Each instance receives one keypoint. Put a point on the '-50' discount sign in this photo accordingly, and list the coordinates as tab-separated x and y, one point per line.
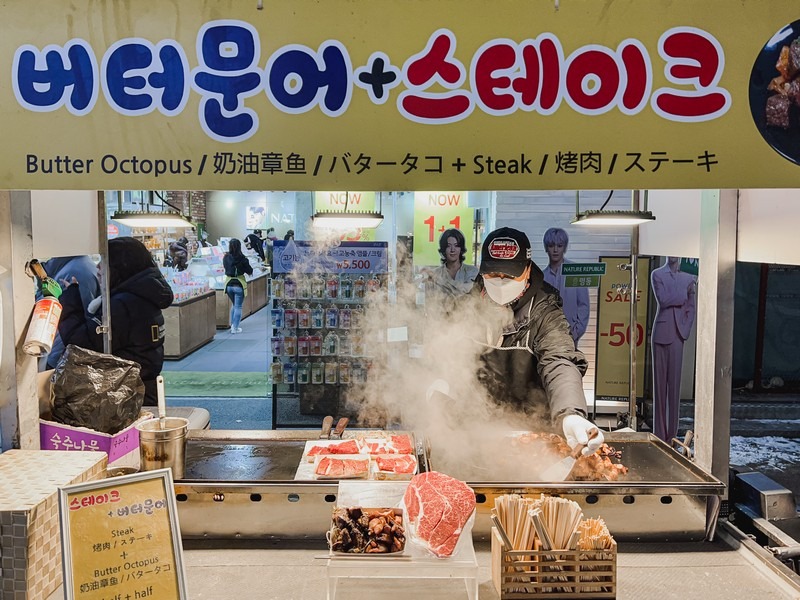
434	213
614	335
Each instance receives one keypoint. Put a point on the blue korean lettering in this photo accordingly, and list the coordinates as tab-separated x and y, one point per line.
228	52
299	78
139	77
45	80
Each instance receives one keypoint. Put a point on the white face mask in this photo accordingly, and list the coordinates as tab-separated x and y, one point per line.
503	291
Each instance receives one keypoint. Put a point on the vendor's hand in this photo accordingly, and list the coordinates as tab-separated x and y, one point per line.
65	284
578	430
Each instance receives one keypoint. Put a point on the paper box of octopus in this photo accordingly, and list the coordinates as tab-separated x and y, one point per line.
30	535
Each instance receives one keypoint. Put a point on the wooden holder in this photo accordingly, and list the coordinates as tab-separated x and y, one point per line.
524	574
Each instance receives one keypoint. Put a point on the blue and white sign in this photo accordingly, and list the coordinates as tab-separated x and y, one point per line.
346	257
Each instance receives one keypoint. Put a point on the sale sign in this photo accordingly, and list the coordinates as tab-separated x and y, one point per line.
614	335
434	213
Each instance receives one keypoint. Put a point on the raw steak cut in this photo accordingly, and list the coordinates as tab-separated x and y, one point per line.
331	467
346	447
397	444
404	463
438	506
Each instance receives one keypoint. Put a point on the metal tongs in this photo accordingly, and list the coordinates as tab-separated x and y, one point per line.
338	431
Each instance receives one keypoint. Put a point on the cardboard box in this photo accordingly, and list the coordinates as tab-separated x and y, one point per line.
30	535
58	436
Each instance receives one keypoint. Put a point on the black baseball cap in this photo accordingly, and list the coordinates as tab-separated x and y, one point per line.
506	251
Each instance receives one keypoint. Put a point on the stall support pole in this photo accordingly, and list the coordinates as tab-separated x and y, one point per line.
19	402
715	297
102	241
633	321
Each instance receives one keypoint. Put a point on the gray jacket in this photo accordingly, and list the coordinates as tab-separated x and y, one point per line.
533	362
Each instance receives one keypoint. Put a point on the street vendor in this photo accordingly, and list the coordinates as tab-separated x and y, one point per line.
532	362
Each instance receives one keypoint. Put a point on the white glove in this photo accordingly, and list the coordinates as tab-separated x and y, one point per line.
580	431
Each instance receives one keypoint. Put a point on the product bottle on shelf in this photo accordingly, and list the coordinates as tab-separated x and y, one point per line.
277	287
303	344
345	317
290	318
317	287
276	345
276	317
332	287
332	317
315	344
357	318
345	287
344	372
303	373
374	284
331	369
304	317
331	344
289	346
345	345
359	372
289	370
359	288
317	317
276	372
289	288
317	373
303	287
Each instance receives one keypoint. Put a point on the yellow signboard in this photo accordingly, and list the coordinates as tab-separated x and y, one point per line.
614	336
120	539
358	94
435	212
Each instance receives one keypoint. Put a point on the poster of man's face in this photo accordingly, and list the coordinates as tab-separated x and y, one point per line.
256	217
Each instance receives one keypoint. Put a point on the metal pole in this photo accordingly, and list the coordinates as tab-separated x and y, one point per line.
633	328
102	239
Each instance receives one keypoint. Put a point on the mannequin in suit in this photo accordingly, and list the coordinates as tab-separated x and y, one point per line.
675	293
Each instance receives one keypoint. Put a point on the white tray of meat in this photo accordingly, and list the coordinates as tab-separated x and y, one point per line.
392	444
393	466
316	448
341	467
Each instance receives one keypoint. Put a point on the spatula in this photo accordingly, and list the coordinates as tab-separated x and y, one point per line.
162	404
561	470
327	424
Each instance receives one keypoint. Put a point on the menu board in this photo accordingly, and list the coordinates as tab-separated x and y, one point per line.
120	539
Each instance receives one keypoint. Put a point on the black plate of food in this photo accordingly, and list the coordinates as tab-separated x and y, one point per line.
775	92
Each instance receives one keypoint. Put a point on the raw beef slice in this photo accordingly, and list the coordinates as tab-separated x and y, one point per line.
438	506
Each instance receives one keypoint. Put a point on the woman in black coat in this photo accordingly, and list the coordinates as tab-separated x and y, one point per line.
236	267
138	293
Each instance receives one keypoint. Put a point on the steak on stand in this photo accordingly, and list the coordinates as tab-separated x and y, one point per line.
438	507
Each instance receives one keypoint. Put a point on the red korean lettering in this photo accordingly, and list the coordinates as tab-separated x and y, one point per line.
552	56
694	58
638	76
493	64
592	80
435	65
527	83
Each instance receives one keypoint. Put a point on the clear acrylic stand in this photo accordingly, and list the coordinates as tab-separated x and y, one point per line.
415	562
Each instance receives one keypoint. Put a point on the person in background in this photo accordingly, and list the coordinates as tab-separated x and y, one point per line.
255	242
453	277
675	292
575	300
203	241
532	364
271	239
178	254
236	266
65	269
289	235
138	294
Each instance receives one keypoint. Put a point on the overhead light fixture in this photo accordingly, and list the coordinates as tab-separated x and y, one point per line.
609	218
354	219
140	218
144	218
613	217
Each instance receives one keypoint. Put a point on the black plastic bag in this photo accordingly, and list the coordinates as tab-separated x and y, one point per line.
95	390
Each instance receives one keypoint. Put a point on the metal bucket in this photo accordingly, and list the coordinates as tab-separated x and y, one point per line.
162	448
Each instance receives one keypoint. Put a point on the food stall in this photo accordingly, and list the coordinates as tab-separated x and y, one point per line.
643	85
